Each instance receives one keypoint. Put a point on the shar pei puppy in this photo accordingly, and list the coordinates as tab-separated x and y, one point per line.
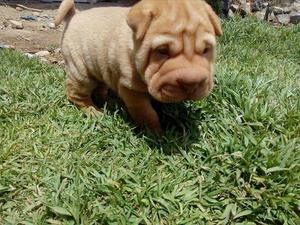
157	49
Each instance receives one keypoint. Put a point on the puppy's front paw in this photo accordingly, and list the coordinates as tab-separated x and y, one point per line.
91	111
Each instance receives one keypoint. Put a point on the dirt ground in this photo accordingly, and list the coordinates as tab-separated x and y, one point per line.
37	34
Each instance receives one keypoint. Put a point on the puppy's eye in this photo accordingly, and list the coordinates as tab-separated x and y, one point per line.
163	51
206	51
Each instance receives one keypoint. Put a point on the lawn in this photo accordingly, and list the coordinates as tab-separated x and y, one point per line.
233	158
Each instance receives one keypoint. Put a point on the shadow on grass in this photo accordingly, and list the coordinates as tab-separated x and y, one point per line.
179	121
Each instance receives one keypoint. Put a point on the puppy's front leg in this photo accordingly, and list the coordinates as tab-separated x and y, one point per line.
140	108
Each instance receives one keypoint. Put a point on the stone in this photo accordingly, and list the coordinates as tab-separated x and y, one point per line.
234	8
16	24
57	50
45	16
272	17
225	5
257	6
7	46
230	14
29	55
261	14
279	10
296	7
284	3
238	10
61	63
5	23
245	8
42	53
28	17
51	25
283	18
295	18
19	8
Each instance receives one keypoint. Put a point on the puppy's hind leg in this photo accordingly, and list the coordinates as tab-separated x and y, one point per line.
80	93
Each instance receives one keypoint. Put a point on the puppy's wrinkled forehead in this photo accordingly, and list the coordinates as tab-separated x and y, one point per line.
178	16
183	26
172	17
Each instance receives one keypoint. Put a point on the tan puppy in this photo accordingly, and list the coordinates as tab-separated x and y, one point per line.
161	49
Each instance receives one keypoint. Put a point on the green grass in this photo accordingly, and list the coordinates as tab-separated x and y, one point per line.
233	158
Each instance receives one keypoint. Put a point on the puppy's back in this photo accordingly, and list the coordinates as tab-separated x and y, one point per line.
96	21
93	39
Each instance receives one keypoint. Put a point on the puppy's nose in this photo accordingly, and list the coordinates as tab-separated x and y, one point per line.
191	82
190	88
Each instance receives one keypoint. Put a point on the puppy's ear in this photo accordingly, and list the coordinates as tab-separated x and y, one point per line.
214	19
139	19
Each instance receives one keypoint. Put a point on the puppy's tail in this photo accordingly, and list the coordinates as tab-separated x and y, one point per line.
66	11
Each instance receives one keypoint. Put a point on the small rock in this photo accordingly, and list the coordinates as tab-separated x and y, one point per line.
283	18
43	28
245	8
29	55
284	3
44	16
234	8
19	8
42	53
261	14
295	18
279	10
28	17
61	63
272	17
296	6
57	51
265	4
225	5
7	46
230	14
16	24
257	6
51	25
5	23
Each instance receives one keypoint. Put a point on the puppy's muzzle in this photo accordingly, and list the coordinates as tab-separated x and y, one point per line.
181	84
191	81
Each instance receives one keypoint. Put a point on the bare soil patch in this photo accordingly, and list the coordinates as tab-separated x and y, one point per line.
36	34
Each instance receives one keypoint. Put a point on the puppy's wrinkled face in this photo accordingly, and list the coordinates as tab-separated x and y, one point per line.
175	47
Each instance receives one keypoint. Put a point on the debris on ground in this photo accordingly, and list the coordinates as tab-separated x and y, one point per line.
28	17
31	28
6	46
295	18
19	6
42	53
16	24
277	12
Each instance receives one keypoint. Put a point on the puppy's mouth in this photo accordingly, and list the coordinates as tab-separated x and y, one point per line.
176	87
